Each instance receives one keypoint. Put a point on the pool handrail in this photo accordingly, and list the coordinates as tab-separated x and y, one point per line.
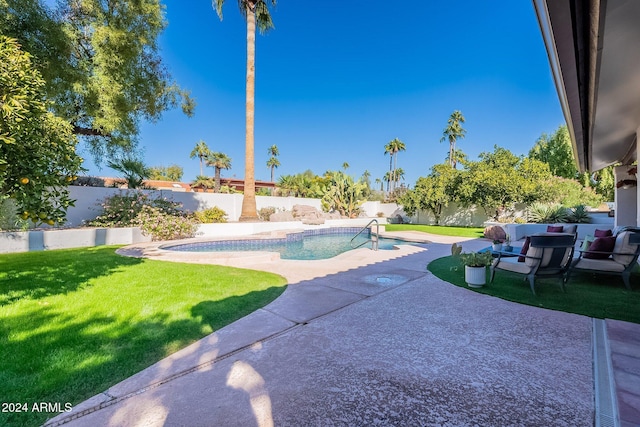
373	239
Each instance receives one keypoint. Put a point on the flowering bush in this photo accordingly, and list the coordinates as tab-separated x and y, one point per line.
160	225
214	214
121	210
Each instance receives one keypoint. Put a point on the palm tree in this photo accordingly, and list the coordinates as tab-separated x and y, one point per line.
219	161
134	171
398	174
345	166
273	162
452	132
201	151
388	177
255	12
393	147
379	181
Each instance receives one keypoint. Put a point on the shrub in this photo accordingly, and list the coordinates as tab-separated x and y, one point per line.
121	210
579	215
547	213
211	215
163	226
265	213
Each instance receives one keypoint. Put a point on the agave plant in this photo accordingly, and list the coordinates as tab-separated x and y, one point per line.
579	215
547	213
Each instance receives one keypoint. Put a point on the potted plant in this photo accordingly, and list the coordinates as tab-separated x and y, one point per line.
475	265
497	245
507	243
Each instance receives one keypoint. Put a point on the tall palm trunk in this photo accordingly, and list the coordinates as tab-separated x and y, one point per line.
249	212
217	179
390	171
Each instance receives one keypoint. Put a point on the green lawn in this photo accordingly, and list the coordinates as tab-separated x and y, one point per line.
438	229
74	322
599	296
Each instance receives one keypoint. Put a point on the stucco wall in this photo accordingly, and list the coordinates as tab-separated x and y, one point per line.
88	200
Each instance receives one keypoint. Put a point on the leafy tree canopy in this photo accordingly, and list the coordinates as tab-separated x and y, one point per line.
37	148
101	65
555	150
166	173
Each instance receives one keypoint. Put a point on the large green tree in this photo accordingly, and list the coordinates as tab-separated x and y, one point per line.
256	13
37	148
432	193
166	173
452	133
101	64
500	179
555	150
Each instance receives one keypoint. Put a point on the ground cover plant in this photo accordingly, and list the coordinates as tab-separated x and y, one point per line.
438	229
74	322
586	293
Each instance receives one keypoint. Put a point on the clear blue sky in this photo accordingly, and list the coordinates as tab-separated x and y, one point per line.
336	80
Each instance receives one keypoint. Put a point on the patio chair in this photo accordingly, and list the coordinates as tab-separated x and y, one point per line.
620	261
549	255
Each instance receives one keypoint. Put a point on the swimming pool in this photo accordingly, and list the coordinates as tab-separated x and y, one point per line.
308	245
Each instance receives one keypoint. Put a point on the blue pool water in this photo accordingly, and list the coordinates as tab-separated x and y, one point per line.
310	245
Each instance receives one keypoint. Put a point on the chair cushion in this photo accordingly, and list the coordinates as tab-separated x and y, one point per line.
525	248
570	229
602	233
599	265
601	244
511	264
554	229
622	246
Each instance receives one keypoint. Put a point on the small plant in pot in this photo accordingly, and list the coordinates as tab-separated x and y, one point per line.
496	245
475	266
506	246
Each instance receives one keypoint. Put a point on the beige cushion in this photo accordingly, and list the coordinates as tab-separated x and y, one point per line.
512	264
599	265
622	246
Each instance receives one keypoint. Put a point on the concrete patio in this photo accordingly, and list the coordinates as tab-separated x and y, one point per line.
373	338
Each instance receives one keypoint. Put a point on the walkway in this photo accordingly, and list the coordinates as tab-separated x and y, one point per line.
386	343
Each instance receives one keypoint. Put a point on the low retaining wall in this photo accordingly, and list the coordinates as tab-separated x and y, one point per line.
39	240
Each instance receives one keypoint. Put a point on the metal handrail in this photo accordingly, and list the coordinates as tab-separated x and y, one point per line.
373	239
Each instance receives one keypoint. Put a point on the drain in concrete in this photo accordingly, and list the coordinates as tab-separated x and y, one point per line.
385	279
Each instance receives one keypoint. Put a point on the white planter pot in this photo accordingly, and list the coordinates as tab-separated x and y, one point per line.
475	276
496	246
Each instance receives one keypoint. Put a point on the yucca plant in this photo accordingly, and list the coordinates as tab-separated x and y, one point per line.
542	213
579	215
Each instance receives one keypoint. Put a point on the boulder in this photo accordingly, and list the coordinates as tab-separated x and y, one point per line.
281	217
495	232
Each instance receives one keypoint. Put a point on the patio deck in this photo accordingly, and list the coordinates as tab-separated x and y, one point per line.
364	340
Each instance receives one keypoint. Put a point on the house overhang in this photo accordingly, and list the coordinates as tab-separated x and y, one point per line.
594	53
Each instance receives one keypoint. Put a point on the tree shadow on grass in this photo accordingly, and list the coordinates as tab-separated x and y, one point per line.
81	358
36	275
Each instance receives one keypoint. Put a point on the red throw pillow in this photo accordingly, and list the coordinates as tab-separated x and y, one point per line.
602	233
601	244
524	250
554	229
